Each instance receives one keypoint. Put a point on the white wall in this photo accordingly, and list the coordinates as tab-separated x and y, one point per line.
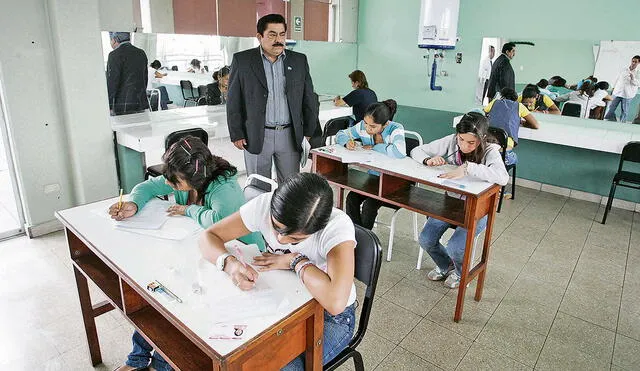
116	15
57	117
161	16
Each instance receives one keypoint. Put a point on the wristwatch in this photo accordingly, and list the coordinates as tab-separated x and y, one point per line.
221	260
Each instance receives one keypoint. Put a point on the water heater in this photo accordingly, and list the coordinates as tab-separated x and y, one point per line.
438	24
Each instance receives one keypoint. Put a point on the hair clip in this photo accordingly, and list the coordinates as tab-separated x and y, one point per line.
184	149
205	171
187	143
194	173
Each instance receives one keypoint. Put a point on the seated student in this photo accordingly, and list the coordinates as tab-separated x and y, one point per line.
360	98
542	86
467	149
194	67
154	75
534	101
558	85
217	91
378	133
577	85
205	188
581	96
306	234
598	101
507	114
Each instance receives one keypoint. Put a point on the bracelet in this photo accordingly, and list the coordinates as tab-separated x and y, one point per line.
296	260
220	261
302	268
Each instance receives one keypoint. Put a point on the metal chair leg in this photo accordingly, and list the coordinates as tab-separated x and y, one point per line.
415	227
419	263
392	232
612	192
357	360
513	183
500	200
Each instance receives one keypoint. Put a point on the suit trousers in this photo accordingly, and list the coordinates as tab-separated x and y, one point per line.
279	148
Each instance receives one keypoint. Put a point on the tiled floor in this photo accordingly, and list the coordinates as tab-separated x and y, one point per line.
562	293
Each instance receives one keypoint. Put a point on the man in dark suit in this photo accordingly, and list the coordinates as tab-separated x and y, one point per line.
502	75
271	107
126	76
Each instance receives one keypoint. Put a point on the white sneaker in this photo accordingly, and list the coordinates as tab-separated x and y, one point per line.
436	274
453	281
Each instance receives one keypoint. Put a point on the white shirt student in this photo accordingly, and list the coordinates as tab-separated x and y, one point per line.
303	233
624	90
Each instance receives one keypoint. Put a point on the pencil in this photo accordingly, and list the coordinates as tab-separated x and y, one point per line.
444	158
120	200
351	135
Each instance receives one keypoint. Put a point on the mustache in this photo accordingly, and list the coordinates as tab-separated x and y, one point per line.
278	44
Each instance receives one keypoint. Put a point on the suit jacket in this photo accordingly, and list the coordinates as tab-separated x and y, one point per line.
502	76
127	79
247	98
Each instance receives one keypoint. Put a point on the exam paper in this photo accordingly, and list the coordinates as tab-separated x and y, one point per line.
152	216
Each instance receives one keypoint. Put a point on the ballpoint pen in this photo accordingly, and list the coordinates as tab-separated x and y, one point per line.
120	200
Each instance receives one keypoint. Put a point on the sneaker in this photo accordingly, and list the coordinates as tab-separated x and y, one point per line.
437	274
453	281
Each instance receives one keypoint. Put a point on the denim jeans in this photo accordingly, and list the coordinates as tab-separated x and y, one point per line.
338	331
624	106
141	355
454	252
510	157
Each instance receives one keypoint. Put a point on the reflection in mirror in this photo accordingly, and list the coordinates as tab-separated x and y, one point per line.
318	20
581	78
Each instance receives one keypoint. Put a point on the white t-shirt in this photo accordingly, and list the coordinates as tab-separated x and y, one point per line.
597	99
256	216
151	77
627	84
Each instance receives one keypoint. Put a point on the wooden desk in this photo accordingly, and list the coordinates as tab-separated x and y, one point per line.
122	263
398	185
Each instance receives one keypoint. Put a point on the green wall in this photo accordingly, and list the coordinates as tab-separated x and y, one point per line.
395	67
329	63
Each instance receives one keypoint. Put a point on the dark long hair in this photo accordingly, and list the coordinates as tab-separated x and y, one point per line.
191	160
303	203
381	112
477	124
359	77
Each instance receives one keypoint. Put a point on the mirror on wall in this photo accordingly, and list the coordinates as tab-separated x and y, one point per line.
581	72
317	20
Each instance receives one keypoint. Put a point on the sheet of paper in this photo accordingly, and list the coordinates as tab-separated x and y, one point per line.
176	228
152	216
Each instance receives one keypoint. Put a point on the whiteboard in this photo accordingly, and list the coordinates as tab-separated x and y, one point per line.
613	56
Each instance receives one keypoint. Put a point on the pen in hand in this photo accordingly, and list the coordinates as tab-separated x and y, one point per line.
240	257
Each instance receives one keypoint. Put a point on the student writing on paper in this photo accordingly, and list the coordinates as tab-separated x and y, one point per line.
304	234
467	149
205	189
378	133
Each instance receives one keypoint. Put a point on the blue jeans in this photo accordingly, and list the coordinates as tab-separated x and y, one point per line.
338	331
624	106
141	355
454	252
510	157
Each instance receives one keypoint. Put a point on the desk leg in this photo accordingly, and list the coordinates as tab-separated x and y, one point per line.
87	317
485	246
340	198
466	263
315	332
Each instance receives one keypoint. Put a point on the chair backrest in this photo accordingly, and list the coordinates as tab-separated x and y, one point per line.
333	126
178	135
202	101
206	68
202	90
251	189
572	109
154	99
413	141
630	152
501	138
187	89
368	258
174	68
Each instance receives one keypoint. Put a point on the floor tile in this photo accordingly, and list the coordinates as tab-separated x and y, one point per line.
473	320
626	353
391	321
587	337
527	288
527	315
515	342
413	296
436	344
483	358
402	360
374	349
593	301
557	355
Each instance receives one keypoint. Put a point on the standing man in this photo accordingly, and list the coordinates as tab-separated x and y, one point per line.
271	106
624	90
484	73
126	76
502	75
